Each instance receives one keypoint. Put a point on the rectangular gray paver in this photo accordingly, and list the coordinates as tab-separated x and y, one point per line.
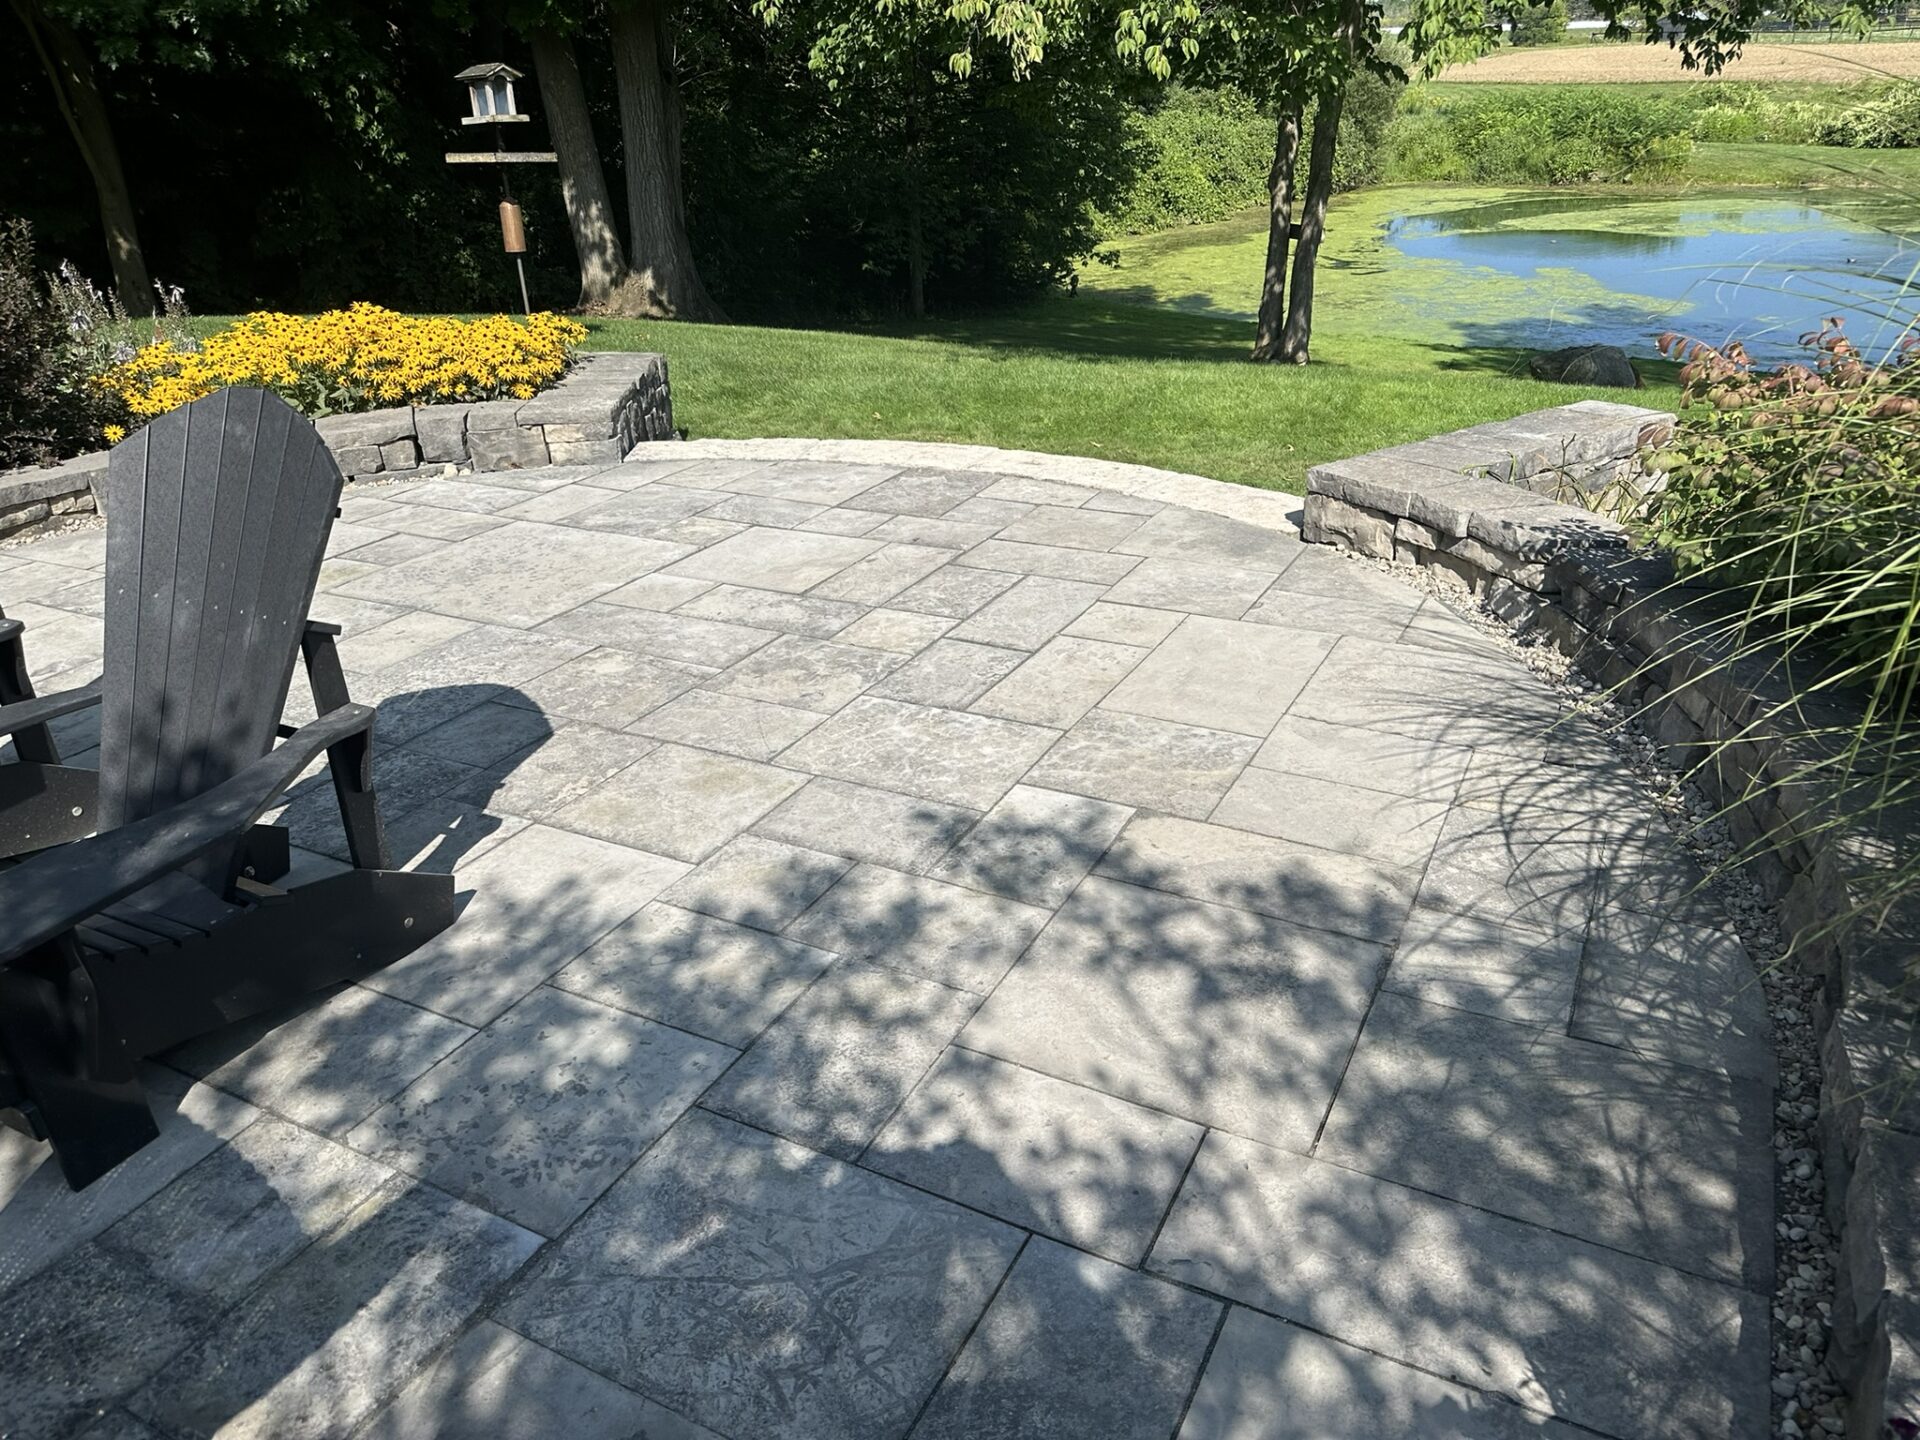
955	592
680	802
482	736
1034	491
831	1070
544	1109
496	1385
1074	1348
698	972
45	1220
812	481
1222	674
1289	881
1213	540
1056	562
1552	1321
375	647
326	1064
1223	591
713	643
1029	613
1451	700
904	632
790	560
1676	992
519	574
609	687
864	823
1474	964
539	781
756	881
1537	876
766	510
247	1208
1366	619
1035	845
751	729
539	899
1224	1017
954	535
701	1278
1377	759
922	492
773	610
647	511
942	932
1372	823
1266	1380
1126	624
1060	682
818	675
949	672
1072	527
337	1331
1038	1152
657	592
942	755
1136	760
884	574
1660	1161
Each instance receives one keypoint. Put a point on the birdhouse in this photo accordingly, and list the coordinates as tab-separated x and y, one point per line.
490	92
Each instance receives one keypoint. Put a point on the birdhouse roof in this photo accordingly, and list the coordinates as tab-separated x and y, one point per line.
493	70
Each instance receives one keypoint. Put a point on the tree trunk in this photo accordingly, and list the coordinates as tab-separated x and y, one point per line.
1313	225
1273	284
662	279
69	70
583	180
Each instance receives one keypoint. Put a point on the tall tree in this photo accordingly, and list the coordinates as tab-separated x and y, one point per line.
68	65
1327	110
663	279
583	179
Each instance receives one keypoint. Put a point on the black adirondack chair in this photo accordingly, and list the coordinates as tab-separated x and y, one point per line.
160	922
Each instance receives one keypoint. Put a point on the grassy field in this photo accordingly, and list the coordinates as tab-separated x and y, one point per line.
1834	63
1088	375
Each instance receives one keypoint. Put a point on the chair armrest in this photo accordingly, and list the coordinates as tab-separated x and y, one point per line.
11	629
52	892
25	714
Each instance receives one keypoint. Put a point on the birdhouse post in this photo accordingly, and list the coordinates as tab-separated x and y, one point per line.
491	100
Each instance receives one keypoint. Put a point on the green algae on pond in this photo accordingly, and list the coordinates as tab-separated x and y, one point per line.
1506	269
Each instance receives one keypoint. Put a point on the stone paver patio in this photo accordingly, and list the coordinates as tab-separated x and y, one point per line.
948	953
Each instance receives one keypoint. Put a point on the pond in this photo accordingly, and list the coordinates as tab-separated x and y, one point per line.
1761	268
1484	270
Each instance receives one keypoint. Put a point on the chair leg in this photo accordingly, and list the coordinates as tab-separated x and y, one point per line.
74	1079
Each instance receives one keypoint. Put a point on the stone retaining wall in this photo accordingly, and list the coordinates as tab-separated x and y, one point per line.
610	402
1475	508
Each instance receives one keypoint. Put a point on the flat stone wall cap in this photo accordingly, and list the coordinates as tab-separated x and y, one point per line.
1542	532
51	482
367	427
1449	505
1377	483
1613	409
494	414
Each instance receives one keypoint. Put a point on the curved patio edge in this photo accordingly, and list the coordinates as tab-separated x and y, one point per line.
1483	510
1271	509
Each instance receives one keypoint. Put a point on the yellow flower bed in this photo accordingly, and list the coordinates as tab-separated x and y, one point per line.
360	358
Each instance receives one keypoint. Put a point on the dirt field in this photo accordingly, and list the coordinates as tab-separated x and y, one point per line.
1600	64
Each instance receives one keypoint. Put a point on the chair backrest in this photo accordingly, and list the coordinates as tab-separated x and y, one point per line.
217	517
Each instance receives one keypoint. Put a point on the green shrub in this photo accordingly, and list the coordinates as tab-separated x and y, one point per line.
1207	156
1540	24
48	407
1797	492
1888	121
1541	136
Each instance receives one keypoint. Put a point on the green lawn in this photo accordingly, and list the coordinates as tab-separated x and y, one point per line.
1151	370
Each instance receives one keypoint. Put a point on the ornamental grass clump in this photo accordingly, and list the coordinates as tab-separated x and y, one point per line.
1797	492
361	358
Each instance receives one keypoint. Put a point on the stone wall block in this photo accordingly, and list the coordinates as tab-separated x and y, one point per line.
514	448
1327	521
366	428
442	433
357	459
